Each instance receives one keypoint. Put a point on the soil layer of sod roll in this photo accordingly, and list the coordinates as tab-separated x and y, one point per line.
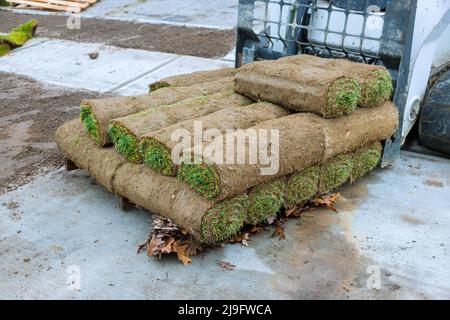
156	147
192	78
126	132
96	114
101	163
328	93
208	221
304	140
376	82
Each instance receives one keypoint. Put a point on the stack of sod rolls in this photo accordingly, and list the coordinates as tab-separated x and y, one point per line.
96	114
126	132
209	221
17	36
133	145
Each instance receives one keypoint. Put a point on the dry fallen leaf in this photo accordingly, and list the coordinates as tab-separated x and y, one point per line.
279	231
180	249
327	200
226	265
168	245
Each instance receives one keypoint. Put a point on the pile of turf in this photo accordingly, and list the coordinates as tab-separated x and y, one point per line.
304	140
329	93
208	221
97	113
126	132
17	36
192	78
376	82
157	147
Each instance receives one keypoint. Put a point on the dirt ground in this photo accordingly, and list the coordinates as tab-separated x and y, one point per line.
201	42
30	113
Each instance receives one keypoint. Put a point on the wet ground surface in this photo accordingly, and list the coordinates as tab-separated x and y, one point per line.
30	113
201	42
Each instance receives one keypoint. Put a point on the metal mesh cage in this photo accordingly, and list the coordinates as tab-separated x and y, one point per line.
349	29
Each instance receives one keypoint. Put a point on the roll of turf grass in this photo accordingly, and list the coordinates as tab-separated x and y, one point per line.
157	147
376	81
96	114
304	140
328	93
208	221
126	132
192	78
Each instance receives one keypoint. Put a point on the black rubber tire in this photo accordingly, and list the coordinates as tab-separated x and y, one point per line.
434	125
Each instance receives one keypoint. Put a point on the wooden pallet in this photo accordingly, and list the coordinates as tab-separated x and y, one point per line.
53	5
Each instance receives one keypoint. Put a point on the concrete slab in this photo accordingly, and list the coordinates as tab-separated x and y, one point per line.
391	233
67	63
180	65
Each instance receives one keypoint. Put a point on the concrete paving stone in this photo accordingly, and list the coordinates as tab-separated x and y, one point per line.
67	63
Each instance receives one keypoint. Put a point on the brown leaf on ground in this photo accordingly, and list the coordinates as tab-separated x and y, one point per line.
152	246
296	211
226	265
168	245
180	248
279	231
327	200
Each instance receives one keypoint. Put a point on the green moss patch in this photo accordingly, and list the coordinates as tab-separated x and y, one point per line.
302	186
157	156
376	89
4	49
89	122
224	220
124	142
335	173
365	160
342	97
201	177
266	201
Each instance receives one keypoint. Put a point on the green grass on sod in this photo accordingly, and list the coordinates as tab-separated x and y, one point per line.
376	89
224	220
342	97
89	122
157	156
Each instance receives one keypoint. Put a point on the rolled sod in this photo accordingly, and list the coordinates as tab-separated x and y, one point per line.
302	186
19	35
376	82
365	160
206	220
193	78
101	163
126	132
156	147
265	201
97	113
328	93
304	140
335	172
